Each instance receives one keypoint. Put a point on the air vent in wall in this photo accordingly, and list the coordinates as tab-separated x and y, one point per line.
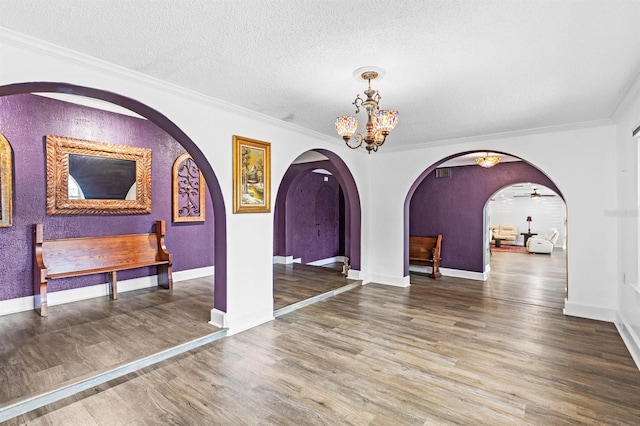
444	172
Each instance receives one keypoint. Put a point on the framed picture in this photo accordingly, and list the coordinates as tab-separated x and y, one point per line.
188	190
6	185
251	175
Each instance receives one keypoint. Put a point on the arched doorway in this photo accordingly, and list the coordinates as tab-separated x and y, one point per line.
324	160
164	123
452	202
316	223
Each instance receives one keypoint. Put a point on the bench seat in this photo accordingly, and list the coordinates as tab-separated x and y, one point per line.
425	251
72	257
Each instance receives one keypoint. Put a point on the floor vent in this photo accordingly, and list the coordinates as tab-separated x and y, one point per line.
443	172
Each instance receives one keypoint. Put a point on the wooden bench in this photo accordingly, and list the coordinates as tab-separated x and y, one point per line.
425	251
71	257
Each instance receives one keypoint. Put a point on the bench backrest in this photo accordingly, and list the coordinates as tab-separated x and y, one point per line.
422	247
66	255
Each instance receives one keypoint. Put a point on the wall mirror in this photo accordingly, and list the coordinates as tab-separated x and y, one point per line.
87	178
6	185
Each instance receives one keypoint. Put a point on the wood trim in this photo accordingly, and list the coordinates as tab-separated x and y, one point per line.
6	183
58	202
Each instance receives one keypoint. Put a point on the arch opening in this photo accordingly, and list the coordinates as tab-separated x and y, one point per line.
350	225
455	207
164	123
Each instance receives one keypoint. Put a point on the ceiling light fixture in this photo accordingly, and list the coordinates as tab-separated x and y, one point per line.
379	121
488	161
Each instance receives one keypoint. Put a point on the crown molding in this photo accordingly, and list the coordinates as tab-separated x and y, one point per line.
504	135
41	47
629	97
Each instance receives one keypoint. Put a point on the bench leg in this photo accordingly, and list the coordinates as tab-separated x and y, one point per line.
40	300
435	271
165	277
113	285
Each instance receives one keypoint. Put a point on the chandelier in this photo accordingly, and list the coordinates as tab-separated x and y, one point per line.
379	121
488	161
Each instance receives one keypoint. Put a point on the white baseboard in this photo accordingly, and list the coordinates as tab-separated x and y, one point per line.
469	275
589	312
283	260
447	272
61	297
239	324
190	274
629	337
13	306
354	274
328	260
388	280
219	318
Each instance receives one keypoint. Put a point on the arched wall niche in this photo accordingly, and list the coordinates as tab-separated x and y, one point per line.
163	122
337	167
544	179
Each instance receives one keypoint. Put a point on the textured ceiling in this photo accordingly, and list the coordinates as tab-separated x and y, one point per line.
453	68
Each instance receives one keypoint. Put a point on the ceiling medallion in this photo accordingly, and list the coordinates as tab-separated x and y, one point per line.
380	122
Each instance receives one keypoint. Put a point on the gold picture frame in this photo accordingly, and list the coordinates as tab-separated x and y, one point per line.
99	158
6	183
251	175
188	190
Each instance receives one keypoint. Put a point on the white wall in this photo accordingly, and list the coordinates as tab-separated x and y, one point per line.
625	217
570	158
579	161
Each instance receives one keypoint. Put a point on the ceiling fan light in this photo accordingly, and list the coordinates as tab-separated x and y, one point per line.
488	161
346	125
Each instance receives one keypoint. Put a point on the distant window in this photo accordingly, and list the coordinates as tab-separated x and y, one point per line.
75	192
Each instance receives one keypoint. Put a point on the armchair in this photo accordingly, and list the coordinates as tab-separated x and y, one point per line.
543	244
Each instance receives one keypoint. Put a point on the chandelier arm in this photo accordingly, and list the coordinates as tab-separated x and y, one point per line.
358	138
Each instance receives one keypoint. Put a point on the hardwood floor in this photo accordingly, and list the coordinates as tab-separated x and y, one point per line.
76	339
296	282
447	351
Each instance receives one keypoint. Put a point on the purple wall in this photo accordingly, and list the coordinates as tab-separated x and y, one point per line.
314	216
454	208
24	121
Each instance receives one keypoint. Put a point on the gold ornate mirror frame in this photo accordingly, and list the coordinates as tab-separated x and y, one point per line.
6	183
58	202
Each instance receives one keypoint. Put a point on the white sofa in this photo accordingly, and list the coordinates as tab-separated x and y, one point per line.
543	244
507	233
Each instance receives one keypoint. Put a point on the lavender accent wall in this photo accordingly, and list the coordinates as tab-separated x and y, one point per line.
25	120
314	217
454	207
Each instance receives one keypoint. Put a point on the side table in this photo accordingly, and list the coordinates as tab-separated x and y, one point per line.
527	235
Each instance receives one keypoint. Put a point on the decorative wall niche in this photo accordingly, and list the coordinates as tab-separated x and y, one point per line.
188	190
6	183
96	178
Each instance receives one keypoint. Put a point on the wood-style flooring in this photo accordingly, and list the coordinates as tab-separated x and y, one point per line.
296	282
447	351
77	339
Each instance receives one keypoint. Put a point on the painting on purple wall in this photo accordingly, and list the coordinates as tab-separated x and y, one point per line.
96	178
188	190
251	175
6	186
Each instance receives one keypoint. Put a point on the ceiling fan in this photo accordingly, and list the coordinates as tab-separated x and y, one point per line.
535	195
